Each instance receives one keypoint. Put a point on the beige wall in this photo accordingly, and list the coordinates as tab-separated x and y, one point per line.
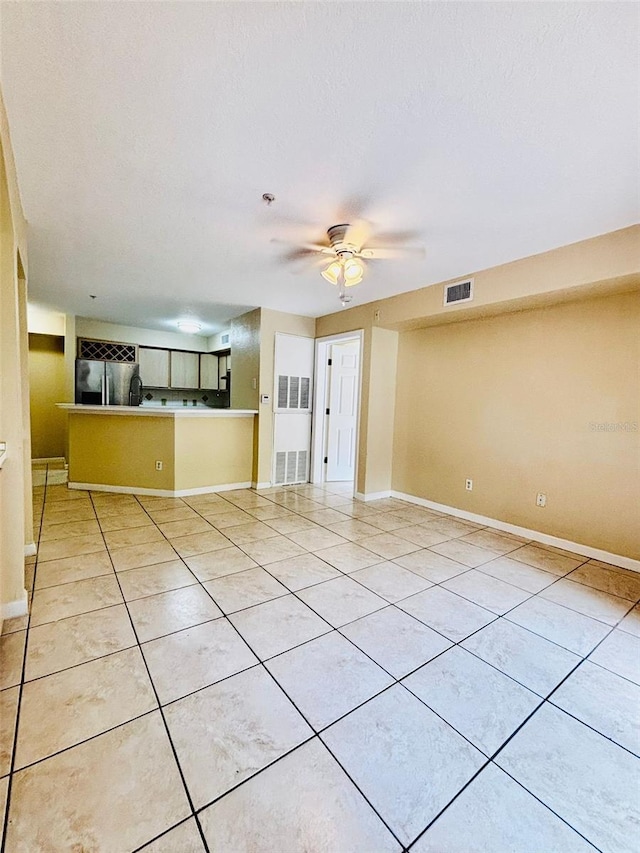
509	402
214	342
605	264
47	386
213	452
245	360
15	476
119	450
377	411
102	331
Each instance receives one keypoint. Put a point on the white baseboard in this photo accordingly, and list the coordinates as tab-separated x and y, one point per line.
49	460
260	485
372	496
160	493
18	607
30	550
534	535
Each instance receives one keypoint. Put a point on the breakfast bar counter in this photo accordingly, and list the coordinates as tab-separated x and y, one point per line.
159	450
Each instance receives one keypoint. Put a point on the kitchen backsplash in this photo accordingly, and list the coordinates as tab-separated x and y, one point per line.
176	397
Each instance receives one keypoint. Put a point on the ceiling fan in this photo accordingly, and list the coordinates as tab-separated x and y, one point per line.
346	254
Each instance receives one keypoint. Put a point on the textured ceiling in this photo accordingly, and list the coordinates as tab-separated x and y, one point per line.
146	133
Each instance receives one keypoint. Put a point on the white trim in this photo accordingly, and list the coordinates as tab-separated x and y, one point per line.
318	423
48	460
260	485
534	535
161	493
372	496
30	550
18	607
156	411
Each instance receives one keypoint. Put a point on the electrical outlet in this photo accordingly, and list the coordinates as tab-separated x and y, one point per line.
376	316
468	484
541	499
158	465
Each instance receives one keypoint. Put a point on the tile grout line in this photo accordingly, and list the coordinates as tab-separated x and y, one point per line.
288	591
316	732
544	701
279	686
160	707
30	594
346	574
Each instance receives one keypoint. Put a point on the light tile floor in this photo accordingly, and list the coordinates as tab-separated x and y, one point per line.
297	671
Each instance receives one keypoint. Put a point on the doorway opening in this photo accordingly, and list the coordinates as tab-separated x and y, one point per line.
336	411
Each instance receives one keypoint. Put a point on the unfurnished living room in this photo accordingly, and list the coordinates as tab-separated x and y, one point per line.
319	427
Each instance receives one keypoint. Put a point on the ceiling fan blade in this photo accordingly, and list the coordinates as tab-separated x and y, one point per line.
357	233
392	238
380	253
306	262
312	247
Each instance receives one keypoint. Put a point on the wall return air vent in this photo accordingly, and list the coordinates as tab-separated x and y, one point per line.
461	291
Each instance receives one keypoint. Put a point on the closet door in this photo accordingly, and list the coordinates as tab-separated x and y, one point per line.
292	405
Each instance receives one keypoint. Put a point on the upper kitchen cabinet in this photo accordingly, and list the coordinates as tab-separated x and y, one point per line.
185	369
224	364
154	367
209	371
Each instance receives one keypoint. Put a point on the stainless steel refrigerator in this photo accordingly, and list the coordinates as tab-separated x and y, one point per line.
107	383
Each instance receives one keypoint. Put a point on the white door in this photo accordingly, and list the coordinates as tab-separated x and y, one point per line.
343	411
292	406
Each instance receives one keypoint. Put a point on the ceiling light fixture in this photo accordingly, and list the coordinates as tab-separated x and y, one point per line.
332	272
344	272
353	272
189	327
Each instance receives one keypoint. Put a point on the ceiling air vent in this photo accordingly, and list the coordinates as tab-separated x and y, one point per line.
461	291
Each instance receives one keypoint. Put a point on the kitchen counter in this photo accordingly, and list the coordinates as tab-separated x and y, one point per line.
160	450
159	411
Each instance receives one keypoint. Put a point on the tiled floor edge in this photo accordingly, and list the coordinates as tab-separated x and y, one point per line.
534	535
160	493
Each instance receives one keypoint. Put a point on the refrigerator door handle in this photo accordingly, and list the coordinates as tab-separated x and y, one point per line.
102	388
108	393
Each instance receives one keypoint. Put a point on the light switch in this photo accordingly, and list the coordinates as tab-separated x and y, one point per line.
265	398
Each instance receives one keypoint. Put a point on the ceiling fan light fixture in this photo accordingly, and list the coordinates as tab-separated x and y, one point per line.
332	272
353	272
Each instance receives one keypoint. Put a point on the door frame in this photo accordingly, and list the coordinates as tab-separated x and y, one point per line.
319	419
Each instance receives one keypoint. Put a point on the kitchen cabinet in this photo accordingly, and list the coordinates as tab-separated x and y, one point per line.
224	364
185	369
154	367
208	371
